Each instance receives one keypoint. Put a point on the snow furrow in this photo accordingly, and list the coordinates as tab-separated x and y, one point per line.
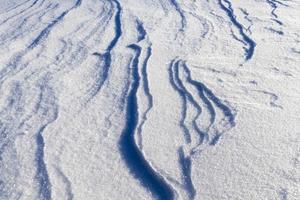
149	99
49	109
181	14
118	28
274	6
22	23
246	17
186	164
141	31
227	7
42	174
44	33
134	158
68	184
106	57
19	13
208	135
175	83
145	83
228	119
15	63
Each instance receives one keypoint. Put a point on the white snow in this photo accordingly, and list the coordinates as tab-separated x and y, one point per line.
160	99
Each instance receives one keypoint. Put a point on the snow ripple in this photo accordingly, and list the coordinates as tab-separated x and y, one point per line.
125	99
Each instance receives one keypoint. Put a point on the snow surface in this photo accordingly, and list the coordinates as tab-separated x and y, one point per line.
149	99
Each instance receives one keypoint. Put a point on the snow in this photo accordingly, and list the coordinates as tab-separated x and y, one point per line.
160	99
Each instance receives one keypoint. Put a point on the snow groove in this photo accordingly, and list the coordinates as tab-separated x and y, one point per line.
125	99
21	12
106	57
44	33
47	107
186	167
213	103
177	85
203	102
209	103
42	174
130	148
274	5
142	34
227	7
181	14
141	31
67	183
246	17
8	118
148	95
15	63
134	158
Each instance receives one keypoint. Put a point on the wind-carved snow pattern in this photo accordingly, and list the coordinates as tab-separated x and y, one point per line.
275	4
125	99
106	56
45	109
180	13
48	108
202	99
209	135
246	40
205	102
247	18
129	148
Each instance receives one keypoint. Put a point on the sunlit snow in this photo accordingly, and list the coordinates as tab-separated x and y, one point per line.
149	99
